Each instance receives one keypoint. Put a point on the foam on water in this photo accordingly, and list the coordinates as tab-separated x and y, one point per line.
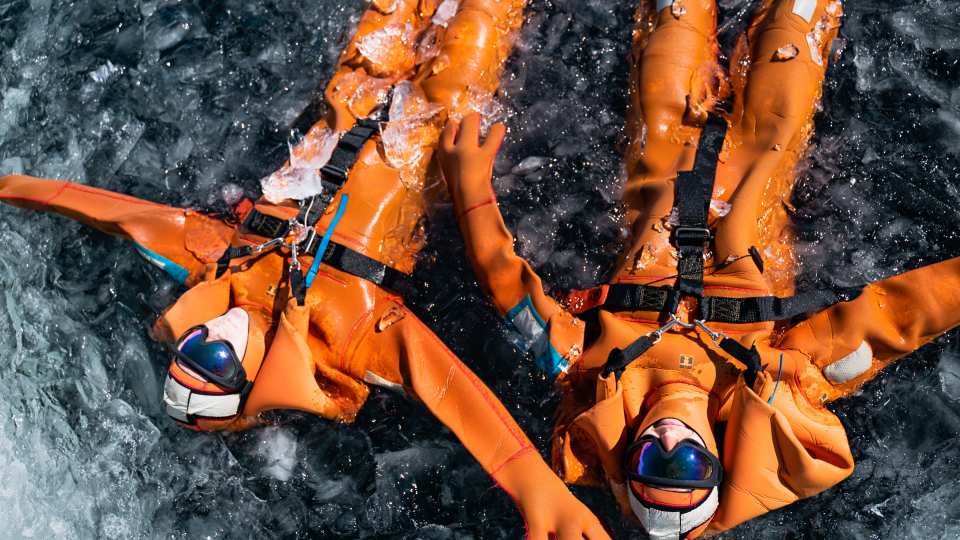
190	103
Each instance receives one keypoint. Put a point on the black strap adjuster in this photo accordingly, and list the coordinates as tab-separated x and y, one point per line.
691	236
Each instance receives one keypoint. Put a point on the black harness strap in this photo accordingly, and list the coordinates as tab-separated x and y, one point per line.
691	236
772	308
335	172
345	154
694	190
619	359
623	297
338	256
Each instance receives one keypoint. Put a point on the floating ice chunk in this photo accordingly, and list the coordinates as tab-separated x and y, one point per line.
14	100
719	207
386	6
949	375
478	100
677	9
104	72
12	165
279	447
787	52
231	193
363	93
300	178
528	165
388	48
414	124
445	11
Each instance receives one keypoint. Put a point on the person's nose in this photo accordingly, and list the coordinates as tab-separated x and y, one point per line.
669	439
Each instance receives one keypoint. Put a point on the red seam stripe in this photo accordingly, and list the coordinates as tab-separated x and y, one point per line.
477	384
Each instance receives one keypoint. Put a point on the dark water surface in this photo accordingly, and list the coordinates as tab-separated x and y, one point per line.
188	102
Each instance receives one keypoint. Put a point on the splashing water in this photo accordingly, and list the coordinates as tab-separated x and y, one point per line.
205	95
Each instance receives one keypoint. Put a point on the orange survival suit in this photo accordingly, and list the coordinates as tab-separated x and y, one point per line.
319	355
780	442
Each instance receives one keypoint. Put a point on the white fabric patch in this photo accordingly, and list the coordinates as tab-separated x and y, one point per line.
804	8
666	525
528	325
223	406
376	380
232	326
663	3
176	397
850	366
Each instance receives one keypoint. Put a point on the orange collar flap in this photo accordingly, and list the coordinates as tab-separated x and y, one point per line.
771	456
205	301
287	376
601	430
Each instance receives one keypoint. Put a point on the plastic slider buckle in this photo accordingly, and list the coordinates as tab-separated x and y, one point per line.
691	236
334	173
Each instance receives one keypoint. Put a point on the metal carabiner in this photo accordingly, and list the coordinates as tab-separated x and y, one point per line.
714	335
657	334
268	244
294	258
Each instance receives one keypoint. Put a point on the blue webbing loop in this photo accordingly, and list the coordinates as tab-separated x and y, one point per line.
325	241
777	385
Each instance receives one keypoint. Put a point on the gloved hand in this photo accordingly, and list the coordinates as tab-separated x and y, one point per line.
549	509
468	165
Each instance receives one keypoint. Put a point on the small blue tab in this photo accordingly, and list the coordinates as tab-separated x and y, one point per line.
172	269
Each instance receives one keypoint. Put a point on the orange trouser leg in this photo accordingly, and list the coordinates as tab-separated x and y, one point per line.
674	80
787	43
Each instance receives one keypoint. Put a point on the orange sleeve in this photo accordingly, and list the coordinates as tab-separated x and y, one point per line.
513	285
852	341
158	231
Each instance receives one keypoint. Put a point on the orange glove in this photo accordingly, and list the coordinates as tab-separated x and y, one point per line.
517	291
549	510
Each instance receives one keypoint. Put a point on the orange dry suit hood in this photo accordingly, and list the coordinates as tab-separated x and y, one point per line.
772	456
281	367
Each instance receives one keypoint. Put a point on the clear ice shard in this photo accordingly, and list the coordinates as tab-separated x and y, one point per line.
300	178
445	12
413	124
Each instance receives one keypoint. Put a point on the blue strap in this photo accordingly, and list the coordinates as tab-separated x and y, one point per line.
325	241
174	270
777	385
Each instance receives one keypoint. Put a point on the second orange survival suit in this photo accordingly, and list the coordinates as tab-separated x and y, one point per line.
780	442
318	353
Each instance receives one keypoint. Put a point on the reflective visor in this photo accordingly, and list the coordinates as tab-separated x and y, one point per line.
687	465
215	361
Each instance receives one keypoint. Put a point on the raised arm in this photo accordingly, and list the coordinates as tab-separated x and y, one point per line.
411	355
159	231
515	288
850	342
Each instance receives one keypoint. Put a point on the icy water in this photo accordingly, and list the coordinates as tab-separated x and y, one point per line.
191	102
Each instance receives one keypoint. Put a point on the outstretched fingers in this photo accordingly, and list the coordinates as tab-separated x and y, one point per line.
448	139
469	130
593	530
495	138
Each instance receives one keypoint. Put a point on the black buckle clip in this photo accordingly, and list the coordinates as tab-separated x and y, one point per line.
690	236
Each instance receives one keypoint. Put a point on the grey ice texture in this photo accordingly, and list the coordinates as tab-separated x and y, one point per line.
191	102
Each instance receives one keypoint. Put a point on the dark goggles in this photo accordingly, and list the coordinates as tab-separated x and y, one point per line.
216	361
687	465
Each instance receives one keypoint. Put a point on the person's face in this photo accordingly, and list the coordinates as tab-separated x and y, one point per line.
671	431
